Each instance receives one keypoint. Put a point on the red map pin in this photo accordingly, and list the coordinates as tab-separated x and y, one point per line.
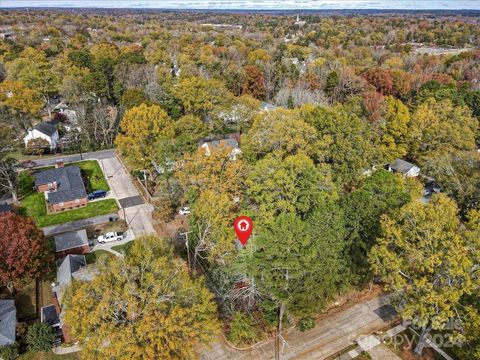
243	226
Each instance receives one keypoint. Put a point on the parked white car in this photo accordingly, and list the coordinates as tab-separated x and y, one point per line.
184	210
109	237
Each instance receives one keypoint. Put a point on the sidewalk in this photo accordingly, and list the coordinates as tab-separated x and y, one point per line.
331	335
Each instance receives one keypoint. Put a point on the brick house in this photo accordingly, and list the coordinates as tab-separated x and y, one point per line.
63	188
74	242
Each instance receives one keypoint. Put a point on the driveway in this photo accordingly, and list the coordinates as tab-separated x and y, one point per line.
332	334
138	214
78	225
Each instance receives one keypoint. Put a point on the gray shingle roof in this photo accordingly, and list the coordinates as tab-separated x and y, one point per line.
69	265
8	322
69	184
401	166
214	143
71	240
66	268
46	128
49	315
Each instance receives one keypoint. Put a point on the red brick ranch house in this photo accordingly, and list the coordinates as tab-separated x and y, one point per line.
63	188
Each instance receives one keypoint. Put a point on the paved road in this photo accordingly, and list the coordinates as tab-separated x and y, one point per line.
96	155
331	335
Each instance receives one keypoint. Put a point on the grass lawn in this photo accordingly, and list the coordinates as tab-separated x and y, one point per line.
94	256
123	249
93	174
32	204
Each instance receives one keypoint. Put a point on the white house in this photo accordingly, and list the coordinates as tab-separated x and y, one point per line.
405	168
45	131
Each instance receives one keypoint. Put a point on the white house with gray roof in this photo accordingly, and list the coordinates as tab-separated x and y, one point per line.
405	168
45	131
8	322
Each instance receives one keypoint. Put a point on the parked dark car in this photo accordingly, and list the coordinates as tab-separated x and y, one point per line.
28	164
97	194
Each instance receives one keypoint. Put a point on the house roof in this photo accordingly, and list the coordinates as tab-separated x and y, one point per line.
8	322
402	166
46	128
49	315
69	265
71	240
214	143
65	269
69	184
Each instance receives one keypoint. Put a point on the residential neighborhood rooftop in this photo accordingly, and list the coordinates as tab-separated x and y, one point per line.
8	322
46	128
71	240
401	166
69	184
69	265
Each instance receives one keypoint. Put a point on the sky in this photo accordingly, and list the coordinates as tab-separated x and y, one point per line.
252	4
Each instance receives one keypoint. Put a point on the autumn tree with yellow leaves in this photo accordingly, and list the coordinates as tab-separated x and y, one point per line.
143	306
141	128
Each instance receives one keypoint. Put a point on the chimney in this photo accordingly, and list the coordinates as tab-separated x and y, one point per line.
59	164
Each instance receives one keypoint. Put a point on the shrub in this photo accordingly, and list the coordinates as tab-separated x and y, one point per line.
306	324
40	337
9	352
243	329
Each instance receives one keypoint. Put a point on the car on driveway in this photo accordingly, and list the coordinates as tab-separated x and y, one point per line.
111	236
184	210
97	194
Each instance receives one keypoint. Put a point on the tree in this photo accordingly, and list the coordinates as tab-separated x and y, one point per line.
296	269
293	184
20	98
394	130
37	146
24	253
133	97
145	305
379	194
34	70
210	224
437	125
9	177
254	84
381	79
458	173
345	141
218	172
282	131
426	258
189	129
200	96
40	337
142	127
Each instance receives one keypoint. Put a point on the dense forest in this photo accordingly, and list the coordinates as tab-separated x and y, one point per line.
319	106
